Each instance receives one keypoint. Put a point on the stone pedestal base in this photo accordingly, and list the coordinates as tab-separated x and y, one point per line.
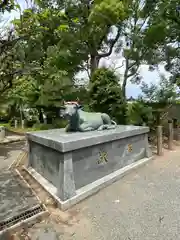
69	164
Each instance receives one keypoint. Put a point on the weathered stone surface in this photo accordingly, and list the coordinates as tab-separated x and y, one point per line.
93	163
62	141
70	161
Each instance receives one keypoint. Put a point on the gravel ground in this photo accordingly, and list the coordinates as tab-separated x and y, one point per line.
144	205
9	152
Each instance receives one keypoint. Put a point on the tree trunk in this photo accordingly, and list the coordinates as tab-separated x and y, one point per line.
94	63
21	114
124	89
125	79
124	99
41	120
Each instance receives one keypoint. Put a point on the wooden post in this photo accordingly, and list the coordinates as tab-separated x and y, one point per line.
159	141
170	135
15	123
175	123
22	124
175	130
2	133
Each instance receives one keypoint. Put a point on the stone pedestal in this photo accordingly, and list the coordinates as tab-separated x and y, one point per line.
72	166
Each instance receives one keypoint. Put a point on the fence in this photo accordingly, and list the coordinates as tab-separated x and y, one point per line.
172	132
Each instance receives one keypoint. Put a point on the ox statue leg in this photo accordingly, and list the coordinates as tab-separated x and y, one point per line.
108	123
85	127
67	128
102	127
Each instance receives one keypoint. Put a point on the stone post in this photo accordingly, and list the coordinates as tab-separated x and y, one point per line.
175	130
15	123
22	124
2	133
170	135
148	150
159	141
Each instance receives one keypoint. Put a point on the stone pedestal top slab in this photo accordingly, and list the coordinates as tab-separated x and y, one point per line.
62	141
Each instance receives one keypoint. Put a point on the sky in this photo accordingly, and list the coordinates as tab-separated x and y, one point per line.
132	89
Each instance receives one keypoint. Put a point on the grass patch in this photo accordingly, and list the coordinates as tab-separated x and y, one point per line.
19	129
35	127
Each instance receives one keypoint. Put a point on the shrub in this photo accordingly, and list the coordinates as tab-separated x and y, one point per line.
59	123
42	126
139	113
30	123
106	95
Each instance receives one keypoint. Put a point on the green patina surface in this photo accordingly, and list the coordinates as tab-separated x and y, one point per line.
82	121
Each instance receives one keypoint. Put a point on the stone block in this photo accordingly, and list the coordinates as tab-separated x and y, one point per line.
72	161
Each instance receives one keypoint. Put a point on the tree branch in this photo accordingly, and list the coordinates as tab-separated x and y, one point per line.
173	18
102	55
134	72
8	43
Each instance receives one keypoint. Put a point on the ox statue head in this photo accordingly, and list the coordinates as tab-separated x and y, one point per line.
69	109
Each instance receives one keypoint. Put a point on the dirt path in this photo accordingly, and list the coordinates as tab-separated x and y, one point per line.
144	205
8	153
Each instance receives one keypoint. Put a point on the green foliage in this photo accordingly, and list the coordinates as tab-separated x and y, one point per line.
139	113
7	5
59	123
58	39
164	34
42	126
107	12
105	94
164	92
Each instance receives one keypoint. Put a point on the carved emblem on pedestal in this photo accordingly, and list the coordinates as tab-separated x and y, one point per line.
103	157
129	147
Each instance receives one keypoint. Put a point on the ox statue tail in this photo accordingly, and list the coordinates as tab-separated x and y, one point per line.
113	123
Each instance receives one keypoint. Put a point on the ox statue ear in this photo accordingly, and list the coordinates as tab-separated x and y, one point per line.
79	106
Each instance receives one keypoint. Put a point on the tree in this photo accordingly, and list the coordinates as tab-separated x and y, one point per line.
164	27
134	43
61	43
7	5
43	56
10	53
105	94
88	26
125	33
164	92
